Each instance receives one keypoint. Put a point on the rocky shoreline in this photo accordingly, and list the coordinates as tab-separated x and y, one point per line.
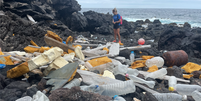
63	18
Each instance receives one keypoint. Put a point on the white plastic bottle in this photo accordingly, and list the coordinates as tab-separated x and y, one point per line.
131	71
150	84
74	82
196	95
172	82
159	73
158	61
118	98
169	97
185	89
132	57
118	88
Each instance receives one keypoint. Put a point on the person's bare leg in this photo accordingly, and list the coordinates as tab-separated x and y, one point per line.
115	35
118	33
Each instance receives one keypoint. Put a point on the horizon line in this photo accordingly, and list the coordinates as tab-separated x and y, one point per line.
151	8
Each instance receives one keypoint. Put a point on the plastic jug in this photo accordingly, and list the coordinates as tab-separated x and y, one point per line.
139	80
172	82
132	57
118	98
118	88
169	97
159	73
158	61
74	82
185	89
196	95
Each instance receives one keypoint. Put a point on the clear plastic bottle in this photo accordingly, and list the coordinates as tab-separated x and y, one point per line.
132	57
47	90
185	89
158	61
159	73
169	97
131	71
150	84
74	82
118	98
92	88
118	88
196	95
172	82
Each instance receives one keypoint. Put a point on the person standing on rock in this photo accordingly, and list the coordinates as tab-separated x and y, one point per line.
116	21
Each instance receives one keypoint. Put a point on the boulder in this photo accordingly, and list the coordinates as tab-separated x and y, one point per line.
147	21
187	25
156	21
175	71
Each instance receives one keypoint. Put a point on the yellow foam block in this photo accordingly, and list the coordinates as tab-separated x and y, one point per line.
5	60
138	64
99	61
69	40
54	36
106	50
153	68
29	49
108	74
42	49
187	76
71	51
73	75
33	43
18	70
146	57
121	44
190	67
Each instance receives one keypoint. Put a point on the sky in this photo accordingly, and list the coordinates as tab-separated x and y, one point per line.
189	4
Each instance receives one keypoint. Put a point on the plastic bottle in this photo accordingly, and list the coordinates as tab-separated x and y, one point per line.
169	97
132	57
26	98
159	73
150	84
158	61
118	98
92	88
118	88
47	90
196	95
74	82
131	71
172	82
185	89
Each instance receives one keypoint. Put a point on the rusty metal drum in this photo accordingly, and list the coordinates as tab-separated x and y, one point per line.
177	58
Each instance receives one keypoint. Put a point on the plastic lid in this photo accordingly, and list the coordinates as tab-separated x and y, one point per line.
184	97
115	96
171	88
132	52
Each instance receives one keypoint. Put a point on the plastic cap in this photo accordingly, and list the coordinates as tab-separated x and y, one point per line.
184	97
132	52
97	86
171	88
115	96
126	75
80	79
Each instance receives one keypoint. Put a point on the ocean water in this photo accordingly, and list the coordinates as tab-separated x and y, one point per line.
166	16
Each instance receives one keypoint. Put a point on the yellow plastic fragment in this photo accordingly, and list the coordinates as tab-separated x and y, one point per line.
105	48
42	49
187	76
138	64
5	60
33	43
29	49
70	51
69	40
53	35
18	70
99	61
73	75
121	44
153	68
200	77
190	67
146	57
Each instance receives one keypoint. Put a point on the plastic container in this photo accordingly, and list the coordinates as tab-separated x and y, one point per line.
185	89
118	98
159	73
172	82
158	61
150	84
177	58
169	97
131	71
196	95
118	88
73	83
132	57
2	66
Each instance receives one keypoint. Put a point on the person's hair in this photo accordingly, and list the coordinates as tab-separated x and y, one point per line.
114	10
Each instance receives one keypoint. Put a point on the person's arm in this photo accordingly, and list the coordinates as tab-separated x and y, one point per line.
113	21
